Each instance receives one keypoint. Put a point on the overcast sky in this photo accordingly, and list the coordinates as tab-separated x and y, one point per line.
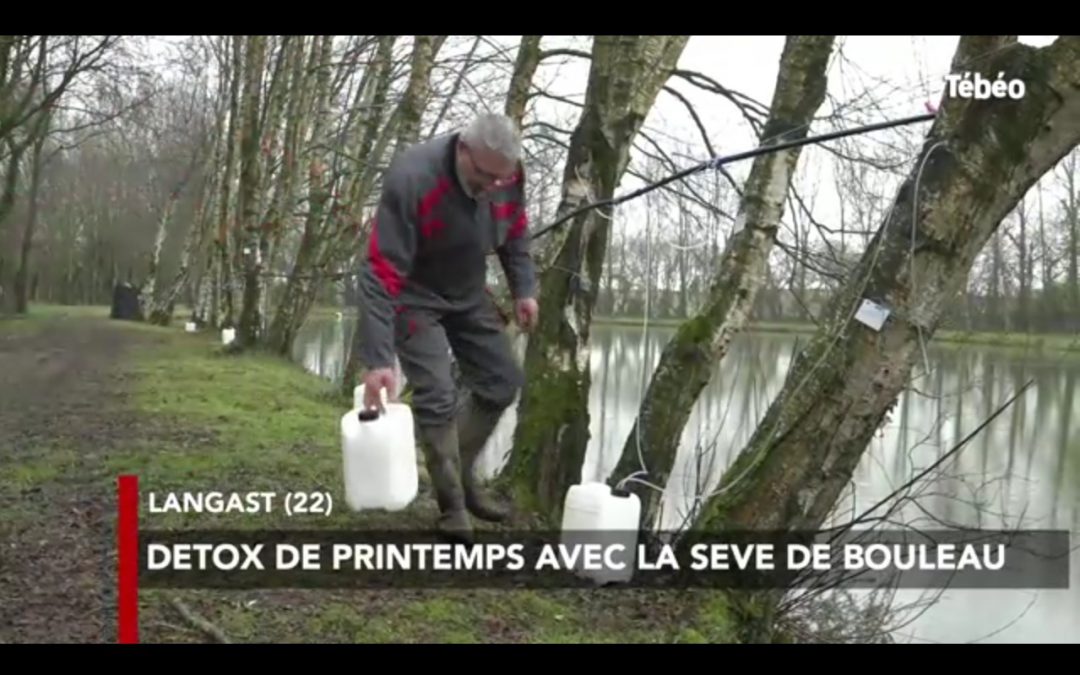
904	73
901	73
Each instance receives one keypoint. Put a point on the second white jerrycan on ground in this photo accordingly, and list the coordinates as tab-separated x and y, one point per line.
379	457
606	520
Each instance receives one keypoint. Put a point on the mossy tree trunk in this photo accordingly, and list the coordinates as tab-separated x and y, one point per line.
978	161
251	176
981	157
690	357
414	100
518	95
626	74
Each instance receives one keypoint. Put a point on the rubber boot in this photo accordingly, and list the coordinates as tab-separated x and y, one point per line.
475	425
440	445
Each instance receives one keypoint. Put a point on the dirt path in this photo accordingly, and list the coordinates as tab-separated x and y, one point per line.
60	412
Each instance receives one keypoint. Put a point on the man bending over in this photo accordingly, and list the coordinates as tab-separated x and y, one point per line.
446	203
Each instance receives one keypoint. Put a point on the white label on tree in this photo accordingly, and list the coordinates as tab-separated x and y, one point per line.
740	223
872	314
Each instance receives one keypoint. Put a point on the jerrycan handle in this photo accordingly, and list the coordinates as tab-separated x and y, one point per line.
368	415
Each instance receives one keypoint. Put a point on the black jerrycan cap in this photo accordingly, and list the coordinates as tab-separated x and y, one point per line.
368	415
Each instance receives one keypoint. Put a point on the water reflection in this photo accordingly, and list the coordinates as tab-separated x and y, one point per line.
1023	470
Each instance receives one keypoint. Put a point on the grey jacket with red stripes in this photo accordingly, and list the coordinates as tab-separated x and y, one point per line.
430	241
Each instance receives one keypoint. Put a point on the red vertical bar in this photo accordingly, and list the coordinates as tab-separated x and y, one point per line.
127	541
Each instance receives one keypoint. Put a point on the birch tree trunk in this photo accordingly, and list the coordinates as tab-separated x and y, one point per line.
155	307
414	100
289	108
981	157
407	115
626	75
334	215
223	272
277	178
528	60
164	304
690	357
250	186
199	234
289	312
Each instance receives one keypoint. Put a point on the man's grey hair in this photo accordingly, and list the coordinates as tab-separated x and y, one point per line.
495	132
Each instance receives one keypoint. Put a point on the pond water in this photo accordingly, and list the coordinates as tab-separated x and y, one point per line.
1022	471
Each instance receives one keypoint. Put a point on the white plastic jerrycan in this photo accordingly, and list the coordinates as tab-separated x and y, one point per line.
605	524
379	457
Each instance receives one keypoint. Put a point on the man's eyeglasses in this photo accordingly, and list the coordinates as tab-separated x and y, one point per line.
492	178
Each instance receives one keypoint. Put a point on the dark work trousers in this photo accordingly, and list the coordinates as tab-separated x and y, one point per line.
481	347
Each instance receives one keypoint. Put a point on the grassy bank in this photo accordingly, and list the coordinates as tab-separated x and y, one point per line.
255	422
